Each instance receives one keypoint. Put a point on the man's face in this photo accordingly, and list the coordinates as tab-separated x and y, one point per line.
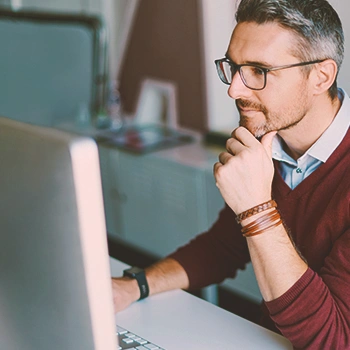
287	97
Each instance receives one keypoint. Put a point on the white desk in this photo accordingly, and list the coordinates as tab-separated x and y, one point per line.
178	320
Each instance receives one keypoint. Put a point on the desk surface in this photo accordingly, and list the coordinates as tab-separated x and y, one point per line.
178	320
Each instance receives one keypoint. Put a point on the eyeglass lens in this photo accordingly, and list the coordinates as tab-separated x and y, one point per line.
253	77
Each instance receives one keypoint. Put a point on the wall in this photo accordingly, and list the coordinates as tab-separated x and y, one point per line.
62	5
218	23
166	45
118	15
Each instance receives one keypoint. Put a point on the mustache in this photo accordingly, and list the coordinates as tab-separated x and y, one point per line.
248	104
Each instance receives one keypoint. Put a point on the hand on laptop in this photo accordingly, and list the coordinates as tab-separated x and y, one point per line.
125	291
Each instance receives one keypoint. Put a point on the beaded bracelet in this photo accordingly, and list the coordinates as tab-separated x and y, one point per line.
255	210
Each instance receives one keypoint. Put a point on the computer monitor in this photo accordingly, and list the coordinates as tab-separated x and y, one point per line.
55	287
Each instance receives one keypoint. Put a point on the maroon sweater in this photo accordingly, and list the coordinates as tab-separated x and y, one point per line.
315	312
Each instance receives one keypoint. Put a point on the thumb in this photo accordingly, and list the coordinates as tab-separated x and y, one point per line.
266	141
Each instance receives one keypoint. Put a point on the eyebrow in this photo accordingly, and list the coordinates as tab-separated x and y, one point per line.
255	63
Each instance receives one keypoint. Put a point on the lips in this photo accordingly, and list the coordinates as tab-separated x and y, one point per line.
248	110
248	107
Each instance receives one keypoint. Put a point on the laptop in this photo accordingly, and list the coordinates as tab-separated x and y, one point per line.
54	267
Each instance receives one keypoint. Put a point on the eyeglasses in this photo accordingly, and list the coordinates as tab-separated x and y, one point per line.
253	76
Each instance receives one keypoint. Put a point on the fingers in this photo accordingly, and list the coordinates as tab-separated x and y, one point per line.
242	140
266	141
224	157
234	146
245	137
216	168
244	173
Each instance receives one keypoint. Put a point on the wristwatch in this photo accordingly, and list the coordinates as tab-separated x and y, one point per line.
140	276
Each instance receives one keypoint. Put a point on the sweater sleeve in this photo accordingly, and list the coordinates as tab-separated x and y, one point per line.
216	254
315	312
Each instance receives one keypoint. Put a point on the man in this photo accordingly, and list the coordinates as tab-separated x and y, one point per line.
281	67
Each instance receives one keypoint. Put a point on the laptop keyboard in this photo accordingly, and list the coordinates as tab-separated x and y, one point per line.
131	341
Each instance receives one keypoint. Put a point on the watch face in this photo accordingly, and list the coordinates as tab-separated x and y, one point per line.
133	270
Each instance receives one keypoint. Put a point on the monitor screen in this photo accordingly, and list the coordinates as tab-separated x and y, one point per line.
54	267
52	66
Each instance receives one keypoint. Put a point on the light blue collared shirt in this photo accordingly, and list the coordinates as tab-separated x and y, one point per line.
295	171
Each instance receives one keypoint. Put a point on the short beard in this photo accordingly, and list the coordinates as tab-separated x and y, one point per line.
258	131
271	123
244	121
267	127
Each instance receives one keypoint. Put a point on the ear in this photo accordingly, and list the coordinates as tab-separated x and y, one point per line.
325	75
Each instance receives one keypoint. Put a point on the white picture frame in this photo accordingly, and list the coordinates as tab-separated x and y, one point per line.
157	103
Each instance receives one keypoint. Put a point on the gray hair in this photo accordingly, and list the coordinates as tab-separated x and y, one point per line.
316	24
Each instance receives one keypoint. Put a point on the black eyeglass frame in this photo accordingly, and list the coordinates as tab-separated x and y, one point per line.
237	68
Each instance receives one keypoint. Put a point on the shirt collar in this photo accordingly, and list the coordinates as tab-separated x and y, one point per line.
334	134
329	140
278	152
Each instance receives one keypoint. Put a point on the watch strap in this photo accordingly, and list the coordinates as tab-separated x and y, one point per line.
141	281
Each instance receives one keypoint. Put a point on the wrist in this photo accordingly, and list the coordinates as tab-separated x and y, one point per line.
132	288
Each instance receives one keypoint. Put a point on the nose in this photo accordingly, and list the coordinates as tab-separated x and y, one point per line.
237	89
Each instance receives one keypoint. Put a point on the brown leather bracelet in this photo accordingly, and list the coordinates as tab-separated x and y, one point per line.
255	210
265	222
273	216
279	222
